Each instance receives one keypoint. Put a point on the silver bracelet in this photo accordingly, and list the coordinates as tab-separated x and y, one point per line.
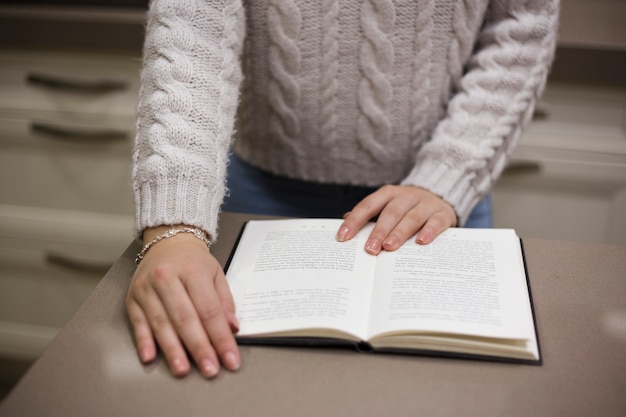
173	232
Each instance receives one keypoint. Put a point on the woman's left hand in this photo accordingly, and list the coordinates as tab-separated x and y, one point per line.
402	211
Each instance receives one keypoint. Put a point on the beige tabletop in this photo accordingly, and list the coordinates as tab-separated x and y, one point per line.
579	290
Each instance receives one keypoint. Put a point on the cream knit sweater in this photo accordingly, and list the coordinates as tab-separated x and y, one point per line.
432	93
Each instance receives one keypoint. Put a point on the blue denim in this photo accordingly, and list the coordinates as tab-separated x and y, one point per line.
255	191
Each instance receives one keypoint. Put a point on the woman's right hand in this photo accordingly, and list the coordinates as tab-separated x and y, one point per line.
179	299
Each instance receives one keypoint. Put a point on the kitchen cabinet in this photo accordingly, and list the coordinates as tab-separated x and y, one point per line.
68	91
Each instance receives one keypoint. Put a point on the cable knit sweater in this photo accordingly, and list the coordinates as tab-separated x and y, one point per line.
431	93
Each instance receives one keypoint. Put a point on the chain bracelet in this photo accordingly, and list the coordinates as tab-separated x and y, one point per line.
170	233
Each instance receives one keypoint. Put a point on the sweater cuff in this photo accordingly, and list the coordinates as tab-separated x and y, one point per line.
176	201
454	185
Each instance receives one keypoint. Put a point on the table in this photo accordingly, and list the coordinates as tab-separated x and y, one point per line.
579	290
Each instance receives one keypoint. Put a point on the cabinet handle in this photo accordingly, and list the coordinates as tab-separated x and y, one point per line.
523	167
74	133
76	264
59	83
540	113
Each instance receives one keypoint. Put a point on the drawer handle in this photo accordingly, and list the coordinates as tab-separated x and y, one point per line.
76	264
54	82
74	133
523	167
540	113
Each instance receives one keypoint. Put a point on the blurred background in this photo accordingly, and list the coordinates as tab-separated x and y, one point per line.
69	79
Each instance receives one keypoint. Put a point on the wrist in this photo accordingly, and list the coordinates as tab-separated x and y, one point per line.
154	235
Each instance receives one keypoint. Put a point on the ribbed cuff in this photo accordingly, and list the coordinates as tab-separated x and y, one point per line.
177	201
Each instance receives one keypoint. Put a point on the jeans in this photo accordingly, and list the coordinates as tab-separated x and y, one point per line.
255	191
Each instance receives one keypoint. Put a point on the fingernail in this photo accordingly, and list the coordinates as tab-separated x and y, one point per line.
231	360
391	243
208	368
179	367
144	355
373	246
343	233
422	238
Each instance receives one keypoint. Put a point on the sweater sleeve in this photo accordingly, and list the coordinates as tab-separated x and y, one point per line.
494	100
187	103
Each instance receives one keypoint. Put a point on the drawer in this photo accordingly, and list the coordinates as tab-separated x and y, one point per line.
548	205
566	195
580	118
77	241
104	85
76	163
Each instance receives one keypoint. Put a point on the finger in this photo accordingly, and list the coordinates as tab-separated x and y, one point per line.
435	225
394	218
363	212
208	305
186	321
144	339
409	225
164	333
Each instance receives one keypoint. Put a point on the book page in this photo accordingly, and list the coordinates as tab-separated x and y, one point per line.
467	281
293	274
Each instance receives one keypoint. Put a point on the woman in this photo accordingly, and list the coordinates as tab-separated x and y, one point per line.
402	111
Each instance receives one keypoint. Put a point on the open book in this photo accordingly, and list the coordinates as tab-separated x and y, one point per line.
465	294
